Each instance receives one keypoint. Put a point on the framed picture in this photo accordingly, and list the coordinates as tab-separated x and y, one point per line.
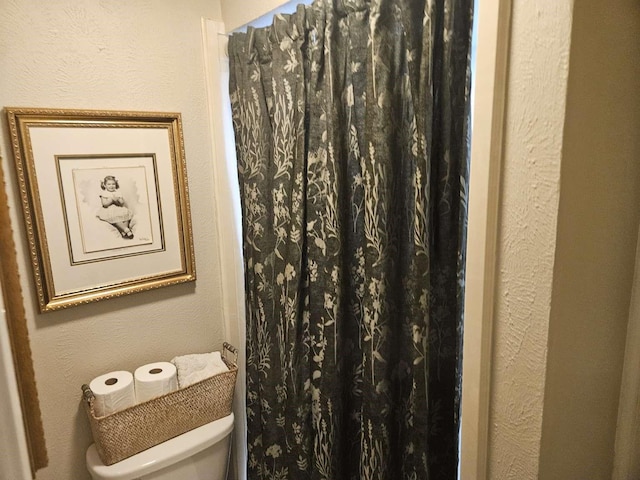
105	202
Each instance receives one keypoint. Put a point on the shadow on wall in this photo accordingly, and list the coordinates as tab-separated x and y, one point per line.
111	306
267	19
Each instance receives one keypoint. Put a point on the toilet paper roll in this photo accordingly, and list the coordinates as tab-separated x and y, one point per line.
113	391
155	379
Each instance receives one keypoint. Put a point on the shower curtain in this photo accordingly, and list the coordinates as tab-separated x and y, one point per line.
351	125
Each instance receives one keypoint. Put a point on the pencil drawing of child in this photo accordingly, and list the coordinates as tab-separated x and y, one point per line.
114	209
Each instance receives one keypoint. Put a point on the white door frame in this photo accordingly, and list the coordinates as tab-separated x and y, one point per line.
490	80
224	184
489	93
14	455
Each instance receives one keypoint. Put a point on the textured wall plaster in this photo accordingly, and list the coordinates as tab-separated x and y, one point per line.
538	68
237	13
118	55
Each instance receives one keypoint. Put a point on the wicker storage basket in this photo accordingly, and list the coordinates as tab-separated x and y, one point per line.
137	428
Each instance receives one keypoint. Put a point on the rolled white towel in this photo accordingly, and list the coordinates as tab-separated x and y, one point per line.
198	366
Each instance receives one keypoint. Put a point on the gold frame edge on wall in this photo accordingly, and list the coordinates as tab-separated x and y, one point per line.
34	157
19	339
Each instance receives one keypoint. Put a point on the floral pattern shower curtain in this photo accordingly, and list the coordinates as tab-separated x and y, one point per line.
351	127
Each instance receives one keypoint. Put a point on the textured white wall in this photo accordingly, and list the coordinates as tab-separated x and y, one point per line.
121	55
236	13
536	93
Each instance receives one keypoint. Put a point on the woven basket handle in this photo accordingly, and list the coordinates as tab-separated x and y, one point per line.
229	351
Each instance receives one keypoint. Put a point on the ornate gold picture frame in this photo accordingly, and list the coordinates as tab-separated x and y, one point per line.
105	202
19	338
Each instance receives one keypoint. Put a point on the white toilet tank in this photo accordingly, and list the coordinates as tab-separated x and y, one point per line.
200	454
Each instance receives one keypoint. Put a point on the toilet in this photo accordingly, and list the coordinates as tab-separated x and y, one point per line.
200	454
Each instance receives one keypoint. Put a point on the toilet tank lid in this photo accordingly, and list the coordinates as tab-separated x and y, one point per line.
162	455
